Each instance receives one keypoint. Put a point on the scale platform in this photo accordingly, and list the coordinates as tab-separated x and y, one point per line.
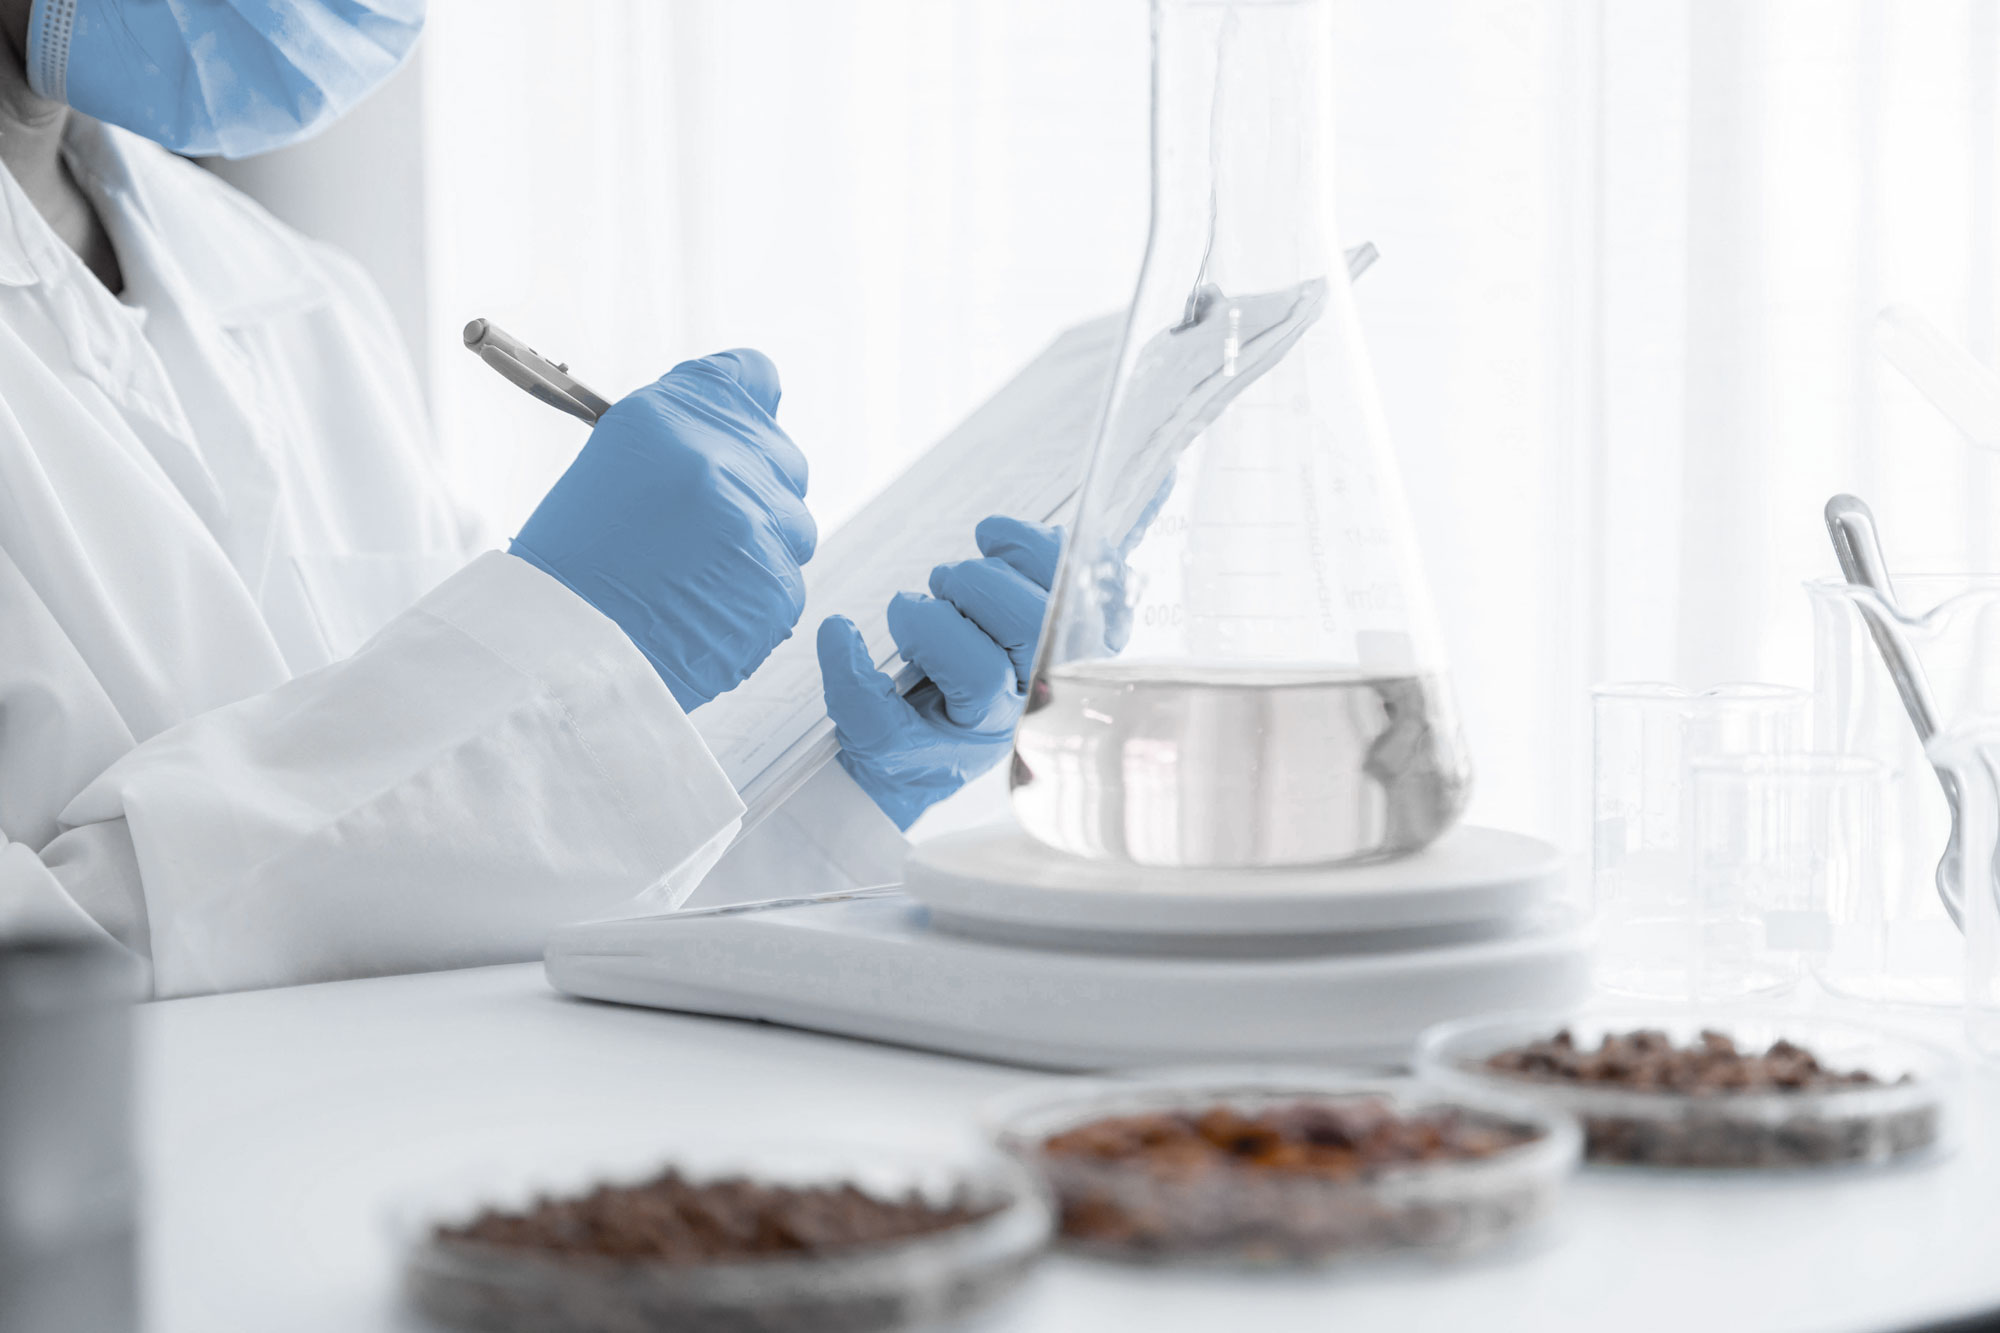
999	949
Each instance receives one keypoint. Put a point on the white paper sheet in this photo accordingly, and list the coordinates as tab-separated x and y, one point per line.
1022	453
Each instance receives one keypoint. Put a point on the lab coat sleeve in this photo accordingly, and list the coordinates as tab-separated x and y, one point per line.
498	760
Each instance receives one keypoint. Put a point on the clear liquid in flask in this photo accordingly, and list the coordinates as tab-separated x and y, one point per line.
1185	764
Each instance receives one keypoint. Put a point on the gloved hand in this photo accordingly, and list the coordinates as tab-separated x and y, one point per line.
684	520
974	640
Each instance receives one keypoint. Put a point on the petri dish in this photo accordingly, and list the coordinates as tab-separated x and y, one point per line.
1171	1208
1904	1115
914	1283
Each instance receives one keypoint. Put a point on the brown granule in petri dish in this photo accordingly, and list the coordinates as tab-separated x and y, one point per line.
1264	1184
716	1256
672	1220
1344	1140
1649	1060
1699	1123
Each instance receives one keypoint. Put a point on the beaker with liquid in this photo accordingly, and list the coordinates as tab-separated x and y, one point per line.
1240	666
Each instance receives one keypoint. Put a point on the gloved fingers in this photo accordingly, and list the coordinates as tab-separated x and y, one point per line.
748	377
971	671
1117	625
757	373
796	525
1114	597
1032	548
1144	522
862	701
787	460
1000	600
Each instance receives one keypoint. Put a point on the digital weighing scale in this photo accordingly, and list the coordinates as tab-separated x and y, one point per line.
998	948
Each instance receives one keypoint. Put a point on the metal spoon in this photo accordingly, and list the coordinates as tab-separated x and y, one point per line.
1851	525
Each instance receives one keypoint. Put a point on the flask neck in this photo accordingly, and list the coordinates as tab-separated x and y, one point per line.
1242	144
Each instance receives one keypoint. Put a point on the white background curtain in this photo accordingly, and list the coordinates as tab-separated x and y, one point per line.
1631	253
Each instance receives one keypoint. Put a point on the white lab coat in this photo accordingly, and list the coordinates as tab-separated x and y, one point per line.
265	715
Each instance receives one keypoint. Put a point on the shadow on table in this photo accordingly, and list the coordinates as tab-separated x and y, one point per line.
1988	1322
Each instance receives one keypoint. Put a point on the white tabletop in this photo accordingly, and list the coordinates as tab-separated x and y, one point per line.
281	1126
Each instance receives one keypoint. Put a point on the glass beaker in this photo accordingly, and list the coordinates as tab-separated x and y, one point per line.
1647	738
1897	943
1778	841
1240	667
1971	753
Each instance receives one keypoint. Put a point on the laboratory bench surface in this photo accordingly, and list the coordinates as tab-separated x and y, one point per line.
282	1128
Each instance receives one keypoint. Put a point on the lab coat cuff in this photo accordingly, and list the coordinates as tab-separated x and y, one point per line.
644	745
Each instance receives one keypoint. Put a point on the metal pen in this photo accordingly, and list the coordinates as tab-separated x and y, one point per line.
542	378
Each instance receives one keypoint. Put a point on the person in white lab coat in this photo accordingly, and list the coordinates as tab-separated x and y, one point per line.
267	714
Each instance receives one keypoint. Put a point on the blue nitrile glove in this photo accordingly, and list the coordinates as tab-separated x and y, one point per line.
974	640
684	520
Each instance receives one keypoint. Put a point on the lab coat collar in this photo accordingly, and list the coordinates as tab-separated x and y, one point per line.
225	250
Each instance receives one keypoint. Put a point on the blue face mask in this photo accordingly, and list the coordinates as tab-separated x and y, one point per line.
228	77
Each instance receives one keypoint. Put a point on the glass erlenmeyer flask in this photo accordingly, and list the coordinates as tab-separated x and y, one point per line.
1240	667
